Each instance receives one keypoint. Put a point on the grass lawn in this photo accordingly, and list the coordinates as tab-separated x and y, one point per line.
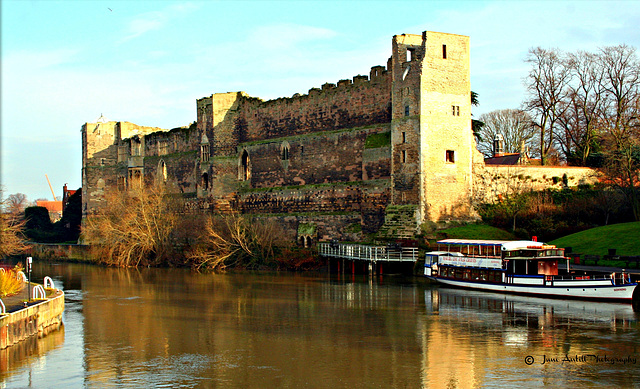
478	231
624	237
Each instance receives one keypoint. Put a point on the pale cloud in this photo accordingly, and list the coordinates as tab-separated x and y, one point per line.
156	20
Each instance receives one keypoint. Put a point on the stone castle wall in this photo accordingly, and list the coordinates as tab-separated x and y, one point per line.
491	182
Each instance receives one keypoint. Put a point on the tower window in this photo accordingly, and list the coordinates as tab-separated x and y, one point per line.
285	153
455	110
444	51
404	156
404	137
450	156
406	110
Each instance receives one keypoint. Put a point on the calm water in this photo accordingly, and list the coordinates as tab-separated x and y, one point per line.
175	328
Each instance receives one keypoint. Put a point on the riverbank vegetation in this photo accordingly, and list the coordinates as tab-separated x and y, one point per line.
147	227
551	214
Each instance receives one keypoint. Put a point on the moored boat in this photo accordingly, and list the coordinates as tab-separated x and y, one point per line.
521	267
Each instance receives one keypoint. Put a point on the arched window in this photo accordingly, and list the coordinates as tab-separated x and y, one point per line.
162	172
245	168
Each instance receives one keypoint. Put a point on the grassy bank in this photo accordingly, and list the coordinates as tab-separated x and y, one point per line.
624	237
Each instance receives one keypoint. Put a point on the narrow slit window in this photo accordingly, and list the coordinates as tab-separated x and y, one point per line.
404	137
444	51
406	110
404	156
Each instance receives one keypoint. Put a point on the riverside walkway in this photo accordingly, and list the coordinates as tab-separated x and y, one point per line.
390	253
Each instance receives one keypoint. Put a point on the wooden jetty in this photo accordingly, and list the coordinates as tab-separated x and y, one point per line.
371	256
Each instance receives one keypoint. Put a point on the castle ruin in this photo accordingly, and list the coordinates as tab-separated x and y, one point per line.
382	153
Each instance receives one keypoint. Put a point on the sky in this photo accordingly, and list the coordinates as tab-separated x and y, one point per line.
64	63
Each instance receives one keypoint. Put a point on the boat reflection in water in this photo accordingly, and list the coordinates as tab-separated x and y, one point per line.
476	338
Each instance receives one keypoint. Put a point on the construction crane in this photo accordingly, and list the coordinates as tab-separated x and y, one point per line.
51	187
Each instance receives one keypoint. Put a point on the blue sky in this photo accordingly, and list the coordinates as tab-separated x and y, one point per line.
66	62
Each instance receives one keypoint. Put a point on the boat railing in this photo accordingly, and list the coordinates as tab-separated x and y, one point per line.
368	253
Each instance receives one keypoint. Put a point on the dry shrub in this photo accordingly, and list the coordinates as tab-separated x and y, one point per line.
10	281
234	240
133	228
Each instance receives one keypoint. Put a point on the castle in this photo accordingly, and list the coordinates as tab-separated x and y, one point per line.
377	154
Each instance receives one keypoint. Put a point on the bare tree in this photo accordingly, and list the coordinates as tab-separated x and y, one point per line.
579	125
546	85
515	127
11	237
621	116
16	203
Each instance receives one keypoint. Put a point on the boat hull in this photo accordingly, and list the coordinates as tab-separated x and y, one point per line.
584	290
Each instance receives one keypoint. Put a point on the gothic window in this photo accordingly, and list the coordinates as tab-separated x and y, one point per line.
284	151
135	177
204	151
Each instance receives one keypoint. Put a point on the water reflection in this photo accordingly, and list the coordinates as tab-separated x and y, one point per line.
141	328
497	340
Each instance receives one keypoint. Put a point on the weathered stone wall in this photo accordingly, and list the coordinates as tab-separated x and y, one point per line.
314	159
236	116
494	181
105	157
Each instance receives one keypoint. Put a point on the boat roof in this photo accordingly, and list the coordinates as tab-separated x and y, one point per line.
504	244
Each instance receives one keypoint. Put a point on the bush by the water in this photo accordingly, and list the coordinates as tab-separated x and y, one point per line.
146	227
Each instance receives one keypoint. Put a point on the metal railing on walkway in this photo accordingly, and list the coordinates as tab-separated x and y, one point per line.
361	252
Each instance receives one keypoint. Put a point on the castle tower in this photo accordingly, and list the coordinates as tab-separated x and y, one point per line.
432	142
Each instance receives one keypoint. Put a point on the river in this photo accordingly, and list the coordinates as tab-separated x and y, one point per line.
175	328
